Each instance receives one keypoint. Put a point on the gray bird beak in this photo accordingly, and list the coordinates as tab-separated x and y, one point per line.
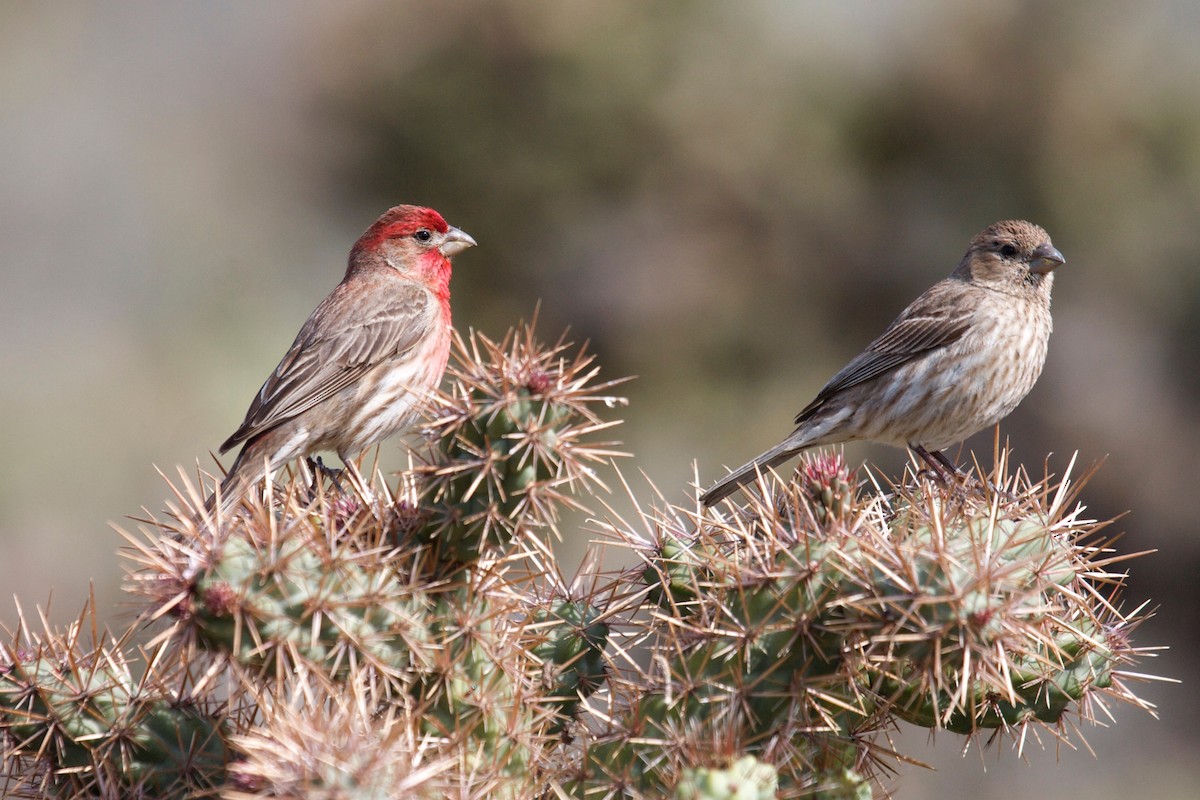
1045	258
455	242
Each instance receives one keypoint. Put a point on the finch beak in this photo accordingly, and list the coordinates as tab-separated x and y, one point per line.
1045	258
455	242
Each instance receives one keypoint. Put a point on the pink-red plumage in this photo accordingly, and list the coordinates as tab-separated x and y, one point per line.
957	360
365	359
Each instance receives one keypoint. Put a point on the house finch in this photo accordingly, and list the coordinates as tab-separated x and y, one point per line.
957	360
364	359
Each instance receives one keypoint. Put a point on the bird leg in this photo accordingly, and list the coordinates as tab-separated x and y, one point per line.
945	470
942	468
319	470
950	466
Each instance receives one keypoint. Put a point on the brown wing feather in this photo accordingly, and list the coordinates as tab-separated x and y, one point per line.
325	358
929	323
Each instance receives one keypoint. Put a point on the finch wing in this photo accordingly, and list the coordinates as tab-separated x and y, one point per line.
930	323
343	339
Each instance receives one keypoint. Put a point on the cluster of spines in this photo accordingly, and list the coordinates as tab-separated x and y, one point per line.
78	720
570	639
745	779
514	444
747	660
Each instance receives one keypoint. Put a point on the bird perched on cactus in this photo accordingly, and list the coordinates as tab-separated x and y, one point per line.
957	360
365	358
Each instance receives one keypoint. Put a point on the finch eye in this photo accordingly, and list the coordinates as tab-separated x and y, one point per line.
423	235
1008	251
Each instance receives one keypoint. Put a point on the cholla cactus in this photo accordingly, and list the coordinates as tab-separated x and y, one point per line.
511	440
829	486
355	639
572	639
985	614
794	628
79	720
745	779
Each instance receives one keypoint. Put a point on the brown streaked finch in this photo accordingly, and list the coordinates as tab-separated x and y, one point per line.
365	359
956	361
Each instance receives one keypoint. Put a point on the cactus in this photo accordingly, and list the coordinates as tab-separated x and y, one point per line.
572	637
829	486
79	723
745	779
300	599
360	639
795	627
980	616
509	441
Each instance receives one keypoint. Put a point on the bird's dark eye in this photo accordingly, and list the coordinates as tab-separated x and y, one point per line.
1008	251
423	235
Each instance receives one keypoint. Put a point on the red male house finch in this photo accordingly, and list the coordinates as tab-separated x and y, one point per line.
957	360
364	359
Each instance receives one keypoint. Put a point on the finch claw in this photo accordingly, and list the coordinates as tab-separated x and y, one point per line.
932	475
319	470
941	468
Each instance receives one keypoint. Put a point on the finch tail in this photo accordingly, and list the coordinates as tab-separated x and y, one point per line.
749	471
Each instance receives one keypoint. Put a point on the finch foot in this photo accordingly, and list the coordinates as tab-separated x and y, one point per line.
944	471
940	468
934	476
319	470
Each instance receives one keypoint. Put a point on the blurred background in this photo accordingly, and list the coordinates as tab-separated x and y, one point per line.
727	199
